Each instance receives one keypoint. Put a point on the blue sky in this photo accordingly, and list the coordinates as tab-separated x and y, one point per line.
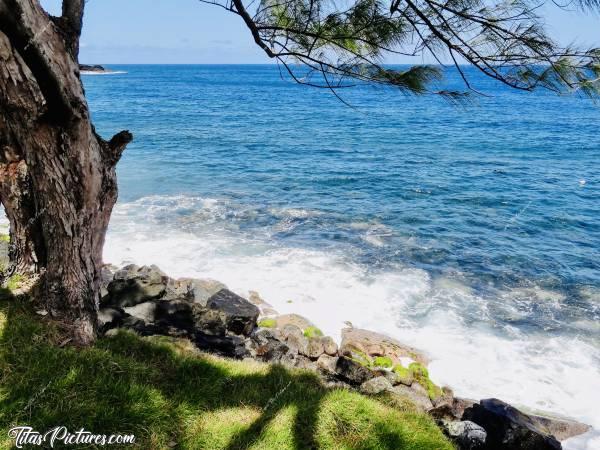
187	31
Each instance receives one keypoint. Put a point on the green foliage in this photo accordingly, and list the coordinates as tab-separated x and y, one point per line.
267	323
340	44
164	391
4	238
311	332
383	361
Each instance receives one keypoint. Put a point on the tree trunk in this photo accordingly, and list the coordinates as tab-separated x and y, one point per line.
58	181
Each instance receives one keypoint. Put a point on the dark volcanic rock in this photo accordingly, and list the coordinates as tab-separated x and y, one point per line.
175	313
92	68
231	346
110	318
226	311
509	428
352	371
268	345
465	434
133	285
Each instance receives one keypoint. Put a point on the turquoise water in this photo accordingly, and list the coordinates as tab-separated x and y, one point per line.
470	231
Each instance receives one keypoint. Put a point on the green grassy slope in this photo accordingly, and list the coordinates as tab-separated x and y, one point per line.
171	396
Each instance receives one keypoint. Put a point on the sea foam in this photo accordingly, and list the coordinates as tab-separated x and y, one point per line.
441	315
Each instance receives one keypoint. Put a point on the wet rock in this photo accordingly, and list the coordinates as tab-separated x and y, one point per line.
559	427
352	371
376	344
327	364
237	314
133	285
465	434
375	385
507	427
418	398
192	289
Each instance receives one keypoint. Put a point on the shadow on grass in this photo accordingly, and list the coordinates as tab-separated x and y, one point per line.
171	396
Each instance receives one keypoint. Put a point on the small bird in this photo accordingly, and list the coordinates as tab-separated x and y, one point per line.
348	324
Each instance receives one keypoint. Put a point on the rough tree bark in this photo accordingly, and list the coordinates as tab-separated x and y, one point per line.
57	176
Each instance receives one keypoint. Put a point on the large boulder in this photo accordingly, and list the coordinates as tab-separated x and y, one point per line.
226	312
507	427
110	318
375	385
268	345
230	346
465	434
192	289
133	285
352	371
371	344
144	311
559	427
418	398
293	319
327	364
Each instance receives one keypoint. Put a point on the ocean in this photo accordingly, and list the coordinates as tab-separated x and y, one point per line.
470	231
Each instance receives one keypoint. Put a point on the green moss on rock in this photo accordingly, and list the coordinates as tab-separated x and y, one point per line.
403	374
267	323
421	376
312	332
383	361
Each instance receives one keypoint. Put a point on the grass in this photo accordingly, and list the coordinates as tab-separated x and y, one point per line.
172	396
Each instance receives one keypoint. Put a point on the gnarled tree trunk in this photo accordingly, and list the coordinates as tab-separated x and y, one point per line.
57	176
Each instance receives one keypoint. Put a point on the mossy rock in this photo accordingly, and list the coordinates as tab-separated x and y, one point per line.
267	323
421	376
361	358
404	375
312	332
383	361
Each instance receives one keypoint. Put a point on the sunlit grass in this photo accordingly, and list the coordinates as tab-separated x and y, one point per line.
170	395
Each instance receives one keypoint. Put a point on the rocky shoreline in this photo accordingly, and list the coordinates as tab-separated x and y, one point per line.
147	301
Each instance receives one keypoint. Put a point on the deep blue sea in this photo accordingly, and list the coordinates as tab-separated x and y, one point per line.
471	231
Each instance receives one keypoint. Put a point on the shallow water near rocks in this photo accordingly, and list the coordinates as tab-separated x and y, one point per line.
470	232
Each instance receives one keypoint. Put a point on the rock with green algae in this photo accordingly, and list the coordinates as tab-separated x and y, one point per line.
383	361
421	376
312	332
403	375
267	323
